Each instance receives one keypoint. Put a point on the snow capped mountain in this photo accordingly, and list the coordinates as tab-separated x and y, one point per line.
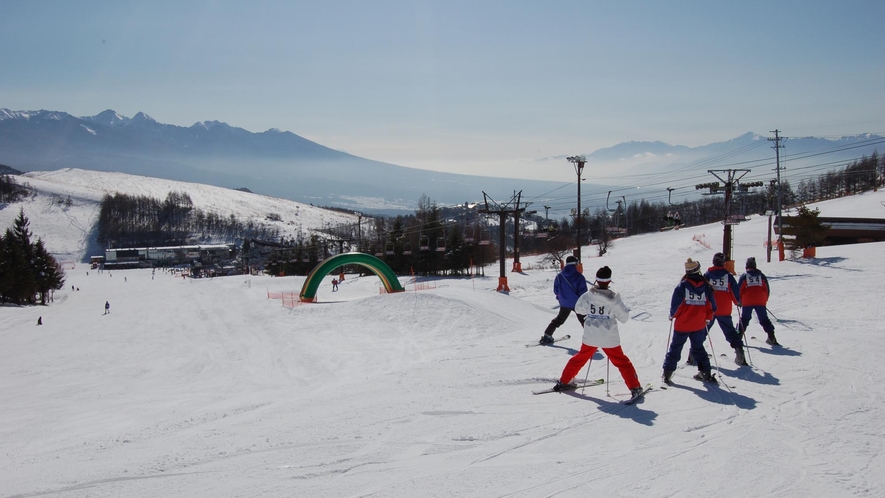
108	118
208	125
142	118
283	164
274	162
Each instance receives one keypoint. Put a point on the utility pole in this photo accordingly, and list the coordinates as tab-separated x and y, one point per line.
359	232
780	200
578	161
503	210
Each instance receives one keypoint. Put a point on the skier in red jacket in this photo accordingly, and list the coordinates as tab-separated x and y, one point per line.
725	291
754	292
691	308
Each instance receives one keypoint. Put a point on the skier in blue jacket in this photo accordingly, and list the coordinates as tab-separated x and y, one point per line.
568	286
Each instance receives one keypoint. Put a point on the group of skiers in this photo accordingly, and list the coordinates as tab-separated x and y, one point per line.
697	302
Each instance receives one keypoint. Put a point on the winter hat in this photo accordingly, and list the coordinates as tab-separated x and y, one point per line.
692	266
571	260
751	263
718	259
604	275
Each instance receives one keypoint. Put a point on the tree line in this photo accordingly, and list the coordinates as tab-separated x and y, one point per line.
143	221
432	241
10	191
28	272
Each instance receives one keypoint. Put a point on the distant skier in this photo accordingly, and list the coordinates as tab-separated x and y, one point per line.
603	309
691	308
334	285
568	285
754	292
107	307
39	320
726	292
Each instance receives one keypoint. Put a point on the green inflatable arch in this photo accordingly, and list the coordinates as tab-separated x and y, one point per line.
378	267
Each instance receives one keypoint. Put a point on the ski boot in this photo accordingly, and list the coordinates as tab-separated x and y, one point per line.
706	377
771	340
690	360
739	358
546	339
668	374
569	386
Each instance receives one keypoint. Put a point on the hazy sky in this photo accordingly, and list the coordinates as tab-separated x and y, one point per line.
478	87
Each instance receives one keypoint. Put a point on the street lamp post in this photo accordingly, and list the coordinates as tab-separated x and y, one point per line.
578	161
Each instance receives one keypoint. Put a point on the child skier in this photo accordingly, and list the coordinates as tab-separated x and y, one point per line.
602	308
568	285
754	292
725	291
691	307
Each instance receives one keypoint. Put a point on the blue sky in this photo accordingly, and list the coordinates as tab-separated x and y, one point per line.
476	87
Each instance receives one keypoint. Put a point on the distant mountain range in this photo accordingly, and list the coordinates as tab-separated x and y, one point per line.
747	151
285	165
273	162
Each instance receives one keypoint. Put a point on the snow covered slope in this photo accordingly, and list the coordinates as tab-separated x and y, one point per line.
207	388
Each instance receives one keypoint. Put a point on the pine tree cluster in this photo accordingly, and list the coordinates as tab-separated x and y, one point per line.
28	272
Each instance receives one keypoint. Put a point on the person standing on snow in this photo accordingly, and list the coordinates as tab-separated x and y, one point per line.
691	308
725	291
754	292
568	285
107	307
603	309
334	285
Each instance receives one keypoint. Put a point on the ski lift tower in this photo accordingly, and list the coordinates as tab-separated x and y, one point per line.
502	210
731	184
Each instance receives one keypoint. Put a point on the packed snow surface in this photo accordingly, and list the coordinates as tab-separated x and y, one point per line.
209	388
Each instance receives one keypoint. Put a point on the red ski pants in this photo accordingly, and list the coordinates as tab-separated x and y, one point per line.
615	355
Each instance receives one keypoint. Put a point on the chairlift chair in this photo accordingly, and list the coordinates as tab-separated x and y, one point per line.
424	243
468	235
484	237
440	244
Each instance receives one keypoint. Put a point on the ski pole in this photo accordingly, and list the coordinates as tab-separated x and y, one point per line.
669	335
772	314
587	375
606	375
744	336
712	352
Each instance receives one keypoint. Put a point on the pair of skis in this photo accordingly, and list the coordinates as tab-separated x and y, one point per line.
531	345
598	382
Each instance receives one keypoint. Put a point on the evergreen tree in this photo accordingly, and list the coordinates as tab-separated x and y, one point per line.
48	273
26	269
805	230
18	283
